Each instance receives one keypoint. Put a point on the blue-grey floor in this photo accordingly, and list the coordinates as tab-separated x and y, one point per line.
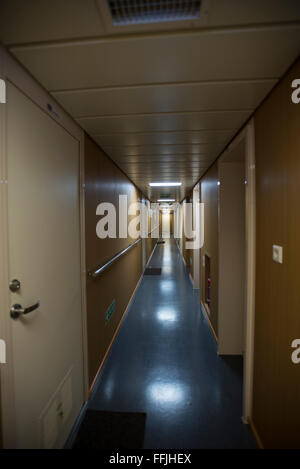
164	362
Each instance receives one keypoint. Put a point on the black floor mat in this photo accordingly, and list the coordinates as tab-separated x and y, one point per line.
152	271
111	430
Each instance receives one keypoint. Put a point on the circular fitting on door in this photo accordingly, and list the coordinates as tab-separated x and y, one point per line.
14	285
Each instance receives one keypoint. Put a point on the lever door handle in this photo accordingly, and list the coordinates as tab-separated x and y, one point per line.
17	310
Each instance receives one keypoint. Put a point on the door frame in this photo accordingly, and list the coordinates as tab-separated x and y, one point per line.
196	252
250	269
11	71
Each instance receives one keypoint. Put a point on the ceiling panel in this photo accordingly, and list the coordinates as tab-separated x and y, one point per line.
163	104
205	148
166	138
255	11
32	20
46	20
166	98
206	55
165	122
150	159
162	165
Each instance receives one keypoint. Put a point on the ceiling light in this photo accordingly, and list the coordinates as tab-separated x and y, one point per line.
164	184
165	200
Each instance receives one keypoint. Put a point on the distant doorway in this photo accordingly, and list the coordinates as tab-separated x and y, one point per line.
166	224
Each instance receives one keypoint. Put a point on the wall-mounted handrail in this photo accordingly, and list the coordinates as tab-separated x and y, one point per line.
100	270
155	228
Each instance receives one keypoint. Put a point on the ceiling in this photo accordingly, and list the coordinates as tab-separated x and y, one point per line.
162	99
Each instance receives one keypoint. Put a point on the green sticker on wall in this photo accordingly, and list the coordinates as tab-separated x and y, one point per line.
110	311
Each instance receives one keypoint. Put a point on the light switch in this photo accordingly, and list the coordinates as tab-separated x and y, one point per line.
277	254
2	92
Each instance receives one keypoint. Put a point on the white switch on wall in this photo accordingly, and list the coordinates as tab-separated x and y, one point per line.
277	254
2	92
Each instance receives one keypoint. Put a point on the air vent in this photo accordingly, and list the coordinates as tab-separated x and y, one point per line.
130	12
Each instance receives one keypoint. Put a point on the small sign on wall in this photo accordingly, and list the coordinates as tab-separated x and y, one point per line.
2	92
110	311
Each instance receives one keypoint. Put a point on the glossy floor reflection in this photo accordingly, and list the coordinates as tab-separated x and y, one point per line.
164	362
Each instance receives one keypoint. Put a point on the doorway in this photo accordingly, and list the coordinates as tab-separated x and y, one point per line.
43	381
166	223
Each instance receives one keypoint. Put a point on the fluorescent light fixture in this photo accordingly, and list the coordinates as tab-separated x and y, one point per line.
164	184
165	200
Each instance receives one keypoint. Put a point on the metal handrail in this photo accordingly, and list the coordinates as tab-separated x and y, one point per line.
101	269
97	272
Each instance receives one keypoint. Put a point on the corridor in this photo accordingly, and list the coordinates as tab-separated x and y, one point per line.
164	362
123	122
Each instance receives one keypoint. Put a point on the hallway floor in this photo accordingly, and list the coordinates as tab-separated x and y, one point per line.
164	362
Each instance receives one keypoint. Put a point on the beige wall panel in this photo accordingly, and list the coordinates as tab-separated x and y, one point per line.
164	98
276	410
166	122
209	196
195	56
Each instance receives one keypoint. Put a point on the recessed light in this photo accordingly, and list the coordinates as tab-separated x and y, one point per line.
165	200
164	184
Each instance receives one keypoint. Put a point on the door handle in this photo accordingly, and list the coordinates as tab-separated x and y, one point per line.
16	310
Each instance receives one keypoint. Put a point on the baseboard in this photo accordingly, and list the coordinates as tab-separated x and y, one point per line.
91	390
209	322
255	433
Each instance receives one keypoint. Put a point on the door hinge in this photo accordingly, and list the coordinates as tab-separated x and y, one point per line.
2	91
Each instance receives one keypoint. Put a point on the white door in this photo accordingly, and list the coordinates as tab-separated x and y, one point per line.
44	256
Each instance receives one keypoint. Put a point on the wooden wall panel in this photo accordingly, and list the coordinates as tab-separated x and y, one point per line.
150	245
276	409
209	196
103	183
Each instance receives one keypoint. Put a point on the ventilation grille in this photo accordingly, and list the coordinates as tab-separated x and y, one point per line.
128	12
